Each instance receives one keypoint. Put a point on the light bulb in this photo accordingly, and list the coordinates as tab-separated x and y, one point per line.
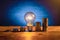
29	18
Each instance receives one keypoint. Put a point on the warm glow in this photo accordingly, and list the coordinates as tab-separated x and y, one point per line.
29	18
28	35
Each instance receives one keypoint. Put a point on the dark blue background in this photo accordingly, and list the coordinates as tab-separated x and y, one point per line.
12	12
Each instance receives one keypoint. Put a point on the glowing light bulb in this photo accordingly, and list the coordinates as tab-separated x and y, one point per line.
29	18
